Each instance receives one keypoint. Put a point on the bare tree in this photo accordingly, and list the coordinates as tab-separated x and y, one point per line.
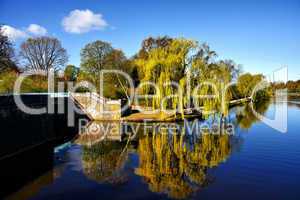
43	53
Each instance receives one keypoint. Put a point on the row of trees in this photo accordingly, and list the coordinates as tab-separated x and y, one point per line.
47	53
160	60
292	86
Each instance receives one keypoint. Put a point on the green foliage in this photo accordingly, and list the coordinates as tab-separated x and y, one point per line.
160	60
181	60
70	73
163	64
35	84
29	84
207	72
7	55
7	80
94	56
247	83
99	55
292	86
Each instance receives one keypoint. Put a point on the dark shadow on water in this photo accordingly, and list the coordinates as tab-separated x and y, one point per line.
27	141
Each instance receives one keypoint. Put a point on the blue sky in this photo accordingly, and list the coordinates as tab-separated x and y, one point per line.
260	35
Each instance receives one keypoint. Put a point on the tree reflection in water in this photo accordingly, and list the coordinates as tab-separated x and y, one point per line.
103	155
104	162
176	164
245	118
170	161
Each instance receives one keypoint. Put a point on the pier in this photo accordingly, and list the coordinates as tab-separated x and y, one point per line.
97	107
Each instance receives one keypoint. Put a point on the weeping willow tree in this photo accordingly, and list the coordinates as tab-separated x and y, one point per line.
162	64
210	81
192	67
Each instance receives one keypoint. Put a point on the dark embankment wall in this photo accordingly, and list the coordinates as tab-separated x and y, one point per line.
27	141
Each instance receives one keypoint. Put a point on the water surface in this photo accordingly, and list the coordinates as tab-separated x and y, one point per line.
253	162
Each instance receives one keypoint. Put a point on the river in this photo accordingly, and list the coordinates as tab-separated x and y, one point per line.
236	157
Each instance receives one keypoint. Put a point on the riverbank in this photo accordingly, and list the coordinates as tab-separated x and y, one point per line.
170	117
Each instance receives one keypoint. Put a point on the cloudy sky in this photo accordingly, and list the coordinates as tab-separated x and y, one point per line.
261	35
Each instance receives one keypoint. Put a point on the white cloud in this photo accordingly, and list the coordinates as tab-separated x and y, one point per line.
36	29
82	21
13	33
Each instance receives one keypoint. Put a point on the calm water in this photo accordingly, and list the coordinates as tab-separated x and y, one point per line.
253	162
